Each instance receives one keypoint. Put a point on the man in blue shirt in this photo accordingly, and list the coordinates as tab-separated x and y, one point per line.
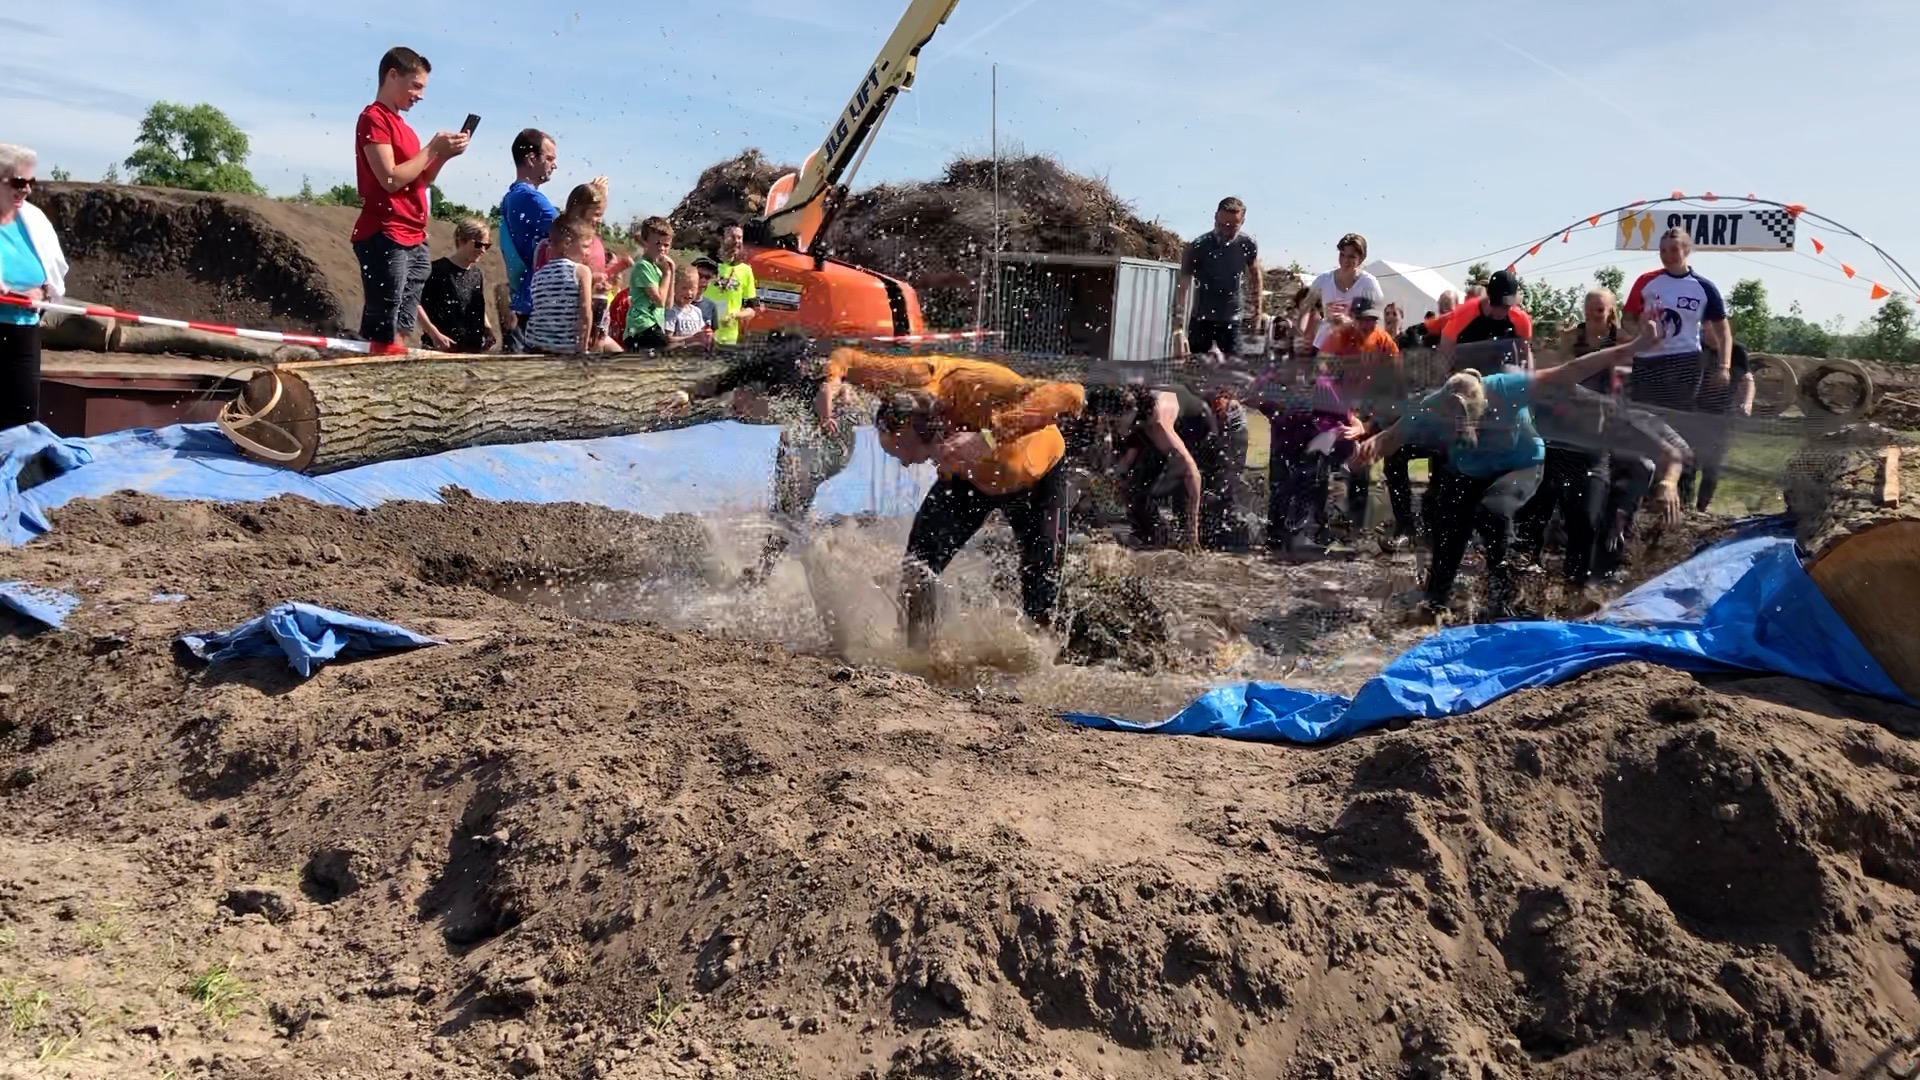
525	217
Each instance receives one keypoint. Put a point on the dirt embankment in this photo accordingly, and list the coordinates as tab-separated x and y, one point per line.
233	259
567	848
938	235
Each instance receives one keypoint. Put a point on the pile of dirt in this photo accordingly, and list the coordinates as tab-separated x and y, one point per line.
727	193
938	235
565	848
233	259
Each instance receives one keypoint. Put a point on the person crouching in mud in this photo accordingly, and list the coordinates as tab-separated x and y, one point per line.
995	437
1483	427
1170	445
780	383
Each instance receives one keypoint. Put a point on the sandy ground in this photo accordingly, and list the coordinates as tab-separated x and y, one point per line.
567	847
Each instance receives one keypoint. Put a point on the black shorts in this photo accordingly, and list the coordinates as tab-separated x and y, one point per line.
1204	334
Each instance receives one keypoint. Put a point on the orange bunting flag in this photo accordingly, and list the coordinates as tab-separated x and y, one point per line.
1534	250
1818	247
1710	197
1848	270
1594	221
1678	194
1637	202
1510	267
1796	209
1566	236
1750	197
1879	291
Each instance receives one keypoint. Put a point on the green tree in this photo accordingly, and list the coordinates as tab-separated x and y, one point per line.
58	174
1888	336
445	209
1747	310
1611	278
305	194
1477	274
1794	335
340	195
112	175
1553	310
191	146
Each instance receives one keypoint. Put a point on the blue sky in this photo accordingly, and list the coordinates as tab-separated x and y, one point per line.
1439	132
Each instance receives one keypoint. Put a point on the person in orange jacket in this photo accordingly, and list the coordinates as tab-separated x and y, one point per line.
994	436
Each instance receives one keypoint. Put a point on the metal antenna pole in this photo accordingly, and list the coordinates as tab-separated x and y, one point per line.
996	194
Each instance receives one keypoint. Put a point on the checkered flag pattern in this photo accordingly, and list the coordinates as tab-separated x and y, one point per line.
1778	222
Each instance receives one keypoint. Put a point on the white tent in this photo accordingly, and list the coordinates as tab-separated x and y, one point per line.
1416	289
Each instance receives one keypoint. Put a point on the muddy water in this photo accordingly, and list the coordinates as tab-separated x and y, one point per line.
1328	626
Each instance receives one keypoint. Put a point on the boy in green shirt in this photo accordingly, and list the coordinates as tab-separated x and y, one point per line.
649	286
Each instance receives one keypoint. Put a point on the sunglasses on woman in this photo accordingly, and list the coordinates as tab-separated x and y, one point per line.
20	183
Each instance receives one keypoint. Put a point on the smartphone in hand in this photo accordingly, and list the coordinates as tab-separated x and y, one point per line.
473	121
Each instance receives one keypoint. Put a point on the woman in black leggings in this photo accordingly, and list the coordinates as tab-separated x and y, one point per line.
1574	475
1484	427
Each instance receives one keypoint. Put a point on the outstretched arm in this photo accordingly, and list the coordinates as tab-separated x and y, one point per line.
1574	371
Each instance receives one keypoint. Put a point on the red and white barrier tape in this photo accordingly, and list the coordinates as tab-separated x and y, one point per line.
912	339
343	345
97	311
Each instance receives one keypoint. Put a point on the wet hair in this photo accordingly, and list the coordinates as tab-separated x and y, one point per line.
1232	205
405	61
906	408
527	144
1463	397
1355	241
470	231
583	198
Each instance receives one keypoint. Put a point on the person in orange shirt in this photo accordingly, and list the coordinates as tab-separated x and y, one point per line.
994	435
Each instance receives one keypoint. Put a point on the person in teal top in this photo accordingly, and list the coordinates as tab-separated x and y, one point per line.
31	267
1483	427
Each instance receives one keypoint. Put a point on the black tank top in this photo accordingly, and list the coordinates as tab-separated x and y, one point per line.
1600	382
1194	423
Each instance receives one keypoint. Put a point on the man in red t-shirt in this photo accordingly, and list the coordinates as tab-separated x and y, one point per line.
393	173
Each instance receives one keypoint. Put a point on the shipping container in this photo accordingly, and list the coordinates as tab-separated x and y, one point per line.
1104	307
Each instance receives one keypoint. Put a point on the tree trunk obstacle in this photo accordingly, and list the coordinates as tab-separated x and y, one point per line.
326	415
1854	495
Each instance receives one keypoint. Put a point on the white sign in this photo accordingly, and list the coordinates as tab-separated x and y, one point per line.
1768	229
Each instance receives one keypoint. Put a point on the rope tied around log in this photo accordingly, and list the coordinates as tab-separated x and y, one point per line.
234	415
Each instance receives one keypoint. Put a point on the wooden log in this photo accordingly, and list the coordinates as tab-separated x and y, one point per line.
1861	537
326	415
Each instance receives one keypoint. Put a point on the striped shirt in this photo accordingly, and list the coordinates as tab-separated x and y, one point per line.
554	325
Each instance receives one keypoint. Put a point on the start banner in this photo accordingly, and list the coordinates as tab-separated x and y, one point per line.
1754	229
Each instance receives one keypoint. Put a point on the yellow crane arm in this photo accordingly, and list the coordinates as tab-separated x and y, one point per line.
799	207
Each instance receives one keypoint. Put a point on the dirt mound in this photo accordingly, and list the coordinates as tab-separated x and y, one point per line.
232	259
937	235
591	849
727	193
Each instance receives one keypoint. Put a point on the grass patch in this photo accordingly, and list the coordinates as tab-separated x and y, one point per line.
219	993
1750	480
94	935
24	1006
664	1011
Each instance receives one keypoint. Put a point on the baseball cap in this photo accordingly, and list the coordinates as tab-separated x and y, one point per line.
1503	286
1363	307
705	263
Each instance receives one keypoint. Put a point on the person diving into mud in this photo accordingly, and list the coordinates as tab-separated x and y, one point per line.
1483	428
994	435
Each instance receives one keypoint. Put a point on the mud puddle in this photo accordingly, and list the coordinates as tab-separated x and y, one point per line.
1190	623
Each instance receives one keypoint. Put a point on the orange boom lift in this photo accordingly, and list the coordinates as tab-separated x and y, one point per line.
800	286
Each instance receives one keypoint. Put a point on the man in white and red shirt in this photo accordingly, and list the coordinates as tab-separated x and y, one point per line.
393	174
1671	373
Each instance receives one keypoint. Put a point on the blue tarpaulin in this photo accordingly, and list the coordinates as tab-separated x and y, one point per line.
48	607
1742	605
307	635
716	468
